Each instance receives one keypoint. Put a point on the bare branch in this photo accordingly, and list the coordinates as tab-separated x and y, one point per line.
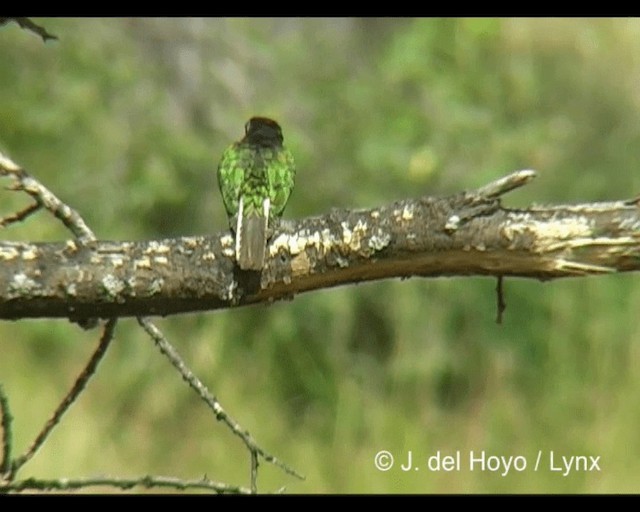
7	436
64	484
507	184
20	216
468	233
29	25
211	401
254	471
501	305
43	198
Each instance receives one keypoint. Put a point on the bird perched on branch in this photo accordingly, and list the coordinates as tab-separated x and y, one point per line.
256	177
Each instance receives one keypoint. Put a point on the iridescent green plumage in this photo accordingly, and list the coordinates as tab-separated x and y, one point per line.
256	177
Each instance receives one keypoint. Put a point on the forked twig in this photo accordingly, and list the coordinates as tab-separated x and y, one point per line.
221	415
43	198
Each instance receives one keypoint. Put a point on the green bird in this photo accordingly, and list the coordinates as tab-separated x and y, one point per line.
256	176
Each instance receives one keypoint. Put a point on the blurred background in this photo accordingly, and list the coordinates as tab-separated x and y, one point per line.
126	119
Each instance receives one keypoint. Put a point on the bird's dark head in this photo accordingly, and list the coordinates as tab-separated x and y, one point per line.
263	131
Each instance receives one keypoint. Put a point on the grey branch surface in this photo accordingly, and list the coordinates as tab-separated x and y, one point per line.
468	233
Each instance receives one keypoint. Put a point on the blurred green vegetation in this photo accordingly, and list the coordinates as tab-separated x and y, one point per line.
125	119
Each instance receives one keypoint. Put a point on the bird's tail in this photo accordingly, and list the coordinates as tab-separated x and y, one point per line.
251	236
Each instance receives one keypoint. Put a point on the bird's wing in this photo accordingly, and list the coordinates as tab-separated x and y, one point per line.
281	180
230	178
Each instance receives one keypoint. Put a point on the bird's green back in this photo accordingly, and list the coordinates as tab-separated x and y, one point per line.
254	173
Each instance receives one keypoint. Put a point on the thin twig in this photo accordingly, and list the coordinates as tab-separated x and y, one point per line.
507	183
20	216
27	24
43	196
254	471
6	433
148	482
221	415
501	304
78	387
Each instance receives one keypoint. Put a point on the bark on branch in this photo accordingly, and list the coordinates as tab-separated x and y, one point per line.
469	233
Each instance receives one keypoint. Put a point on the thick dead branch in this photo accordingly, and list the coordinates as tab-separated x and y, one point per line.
469	233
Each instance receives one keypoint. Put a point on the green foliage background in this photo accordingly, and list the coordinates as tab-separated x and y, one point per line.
125	119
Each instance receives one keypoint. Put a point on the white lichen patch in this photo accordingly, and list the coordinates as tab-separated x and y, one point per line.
9	253
352	237
342	262
160	260
452	224
71	290
347	234
327	240
30	253
22	284
112	285
403	215
375	214
230	291
227	241
109	248
191	242
155	247
116	260
294	244
298	242
143	262
208	256
407	212
228	244
70	245
155	286
279	242
379	240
